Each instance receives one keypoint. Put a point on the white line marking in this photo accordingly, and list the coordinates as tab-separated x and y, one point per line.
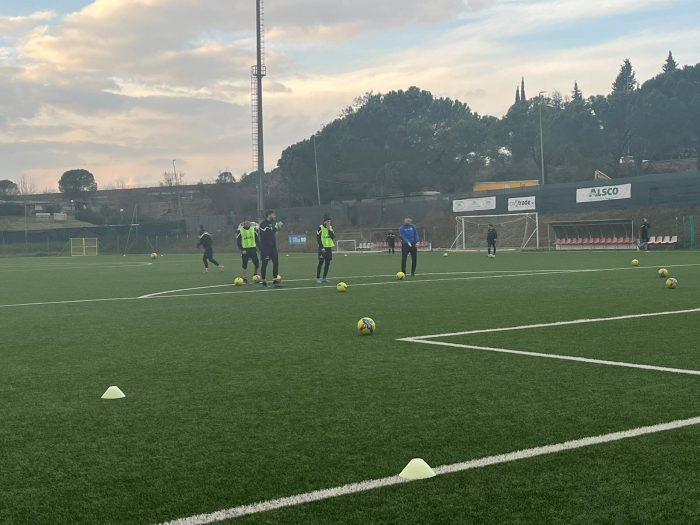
489	274
364	486
75	267
75	301
557	356
418	338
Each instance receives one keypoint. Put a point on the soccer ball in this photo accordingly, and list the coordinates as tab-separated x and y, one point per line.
671	283
635	262
400	276
663	272
238	281
366	326
278	278
341	287
445	254
256	278
154	255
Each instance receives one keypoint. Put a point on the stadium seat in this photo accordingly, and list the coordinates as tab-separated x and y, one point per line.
666	240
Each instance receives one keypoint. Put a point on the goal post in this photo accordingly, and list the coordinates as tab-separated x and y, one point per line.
346	245
516	231
83	246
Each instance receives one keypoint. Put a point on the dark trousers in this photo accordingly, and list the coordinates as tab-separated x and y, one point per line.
209	256
266	258
405	250
391	248
492	244
250	254
324	261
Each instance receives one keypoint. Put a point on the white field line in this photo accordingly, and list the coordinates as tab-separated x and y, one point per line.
73	267
404	282
347	277
263	290
257	289
74	301
420	338
559	357
488	273
364	486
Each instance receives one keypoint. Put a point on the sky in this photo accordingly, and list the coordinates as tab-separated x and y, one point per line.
124	87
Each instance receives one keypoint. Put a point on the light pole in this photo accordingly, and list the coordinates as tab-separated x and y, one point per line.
318	188
541	139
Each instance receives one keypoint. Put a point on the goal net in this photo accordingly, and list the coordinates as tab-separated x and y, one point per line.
346	245
83	246
516	231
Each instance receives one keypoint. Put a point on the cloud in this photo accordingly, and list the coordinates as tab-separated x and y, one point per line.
16	24
123	84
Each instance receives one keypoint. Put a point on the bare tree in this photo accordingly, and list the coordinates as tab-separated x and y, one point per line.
26	185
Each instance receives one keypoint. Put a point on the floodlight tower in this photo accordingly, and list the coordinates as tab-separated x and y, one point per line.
258	71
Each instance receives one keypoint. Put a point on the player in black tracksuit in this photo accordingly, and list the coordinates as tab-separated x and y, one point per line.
268	247
206	242
491	236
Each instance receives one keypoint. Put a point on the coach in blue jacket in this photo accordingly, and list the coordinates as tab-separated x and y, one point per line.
409	244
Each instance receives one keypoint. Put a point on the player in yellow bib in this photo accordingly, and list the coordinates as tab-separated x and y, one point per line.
248	241
324	238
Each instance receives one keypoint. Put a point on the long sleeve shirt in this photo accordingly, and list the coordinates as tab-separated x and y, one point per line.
331	234
409	234
239	240
205	241
267	231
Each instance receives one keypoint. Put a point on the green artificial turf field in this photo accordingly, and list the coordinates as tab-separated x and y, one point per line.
238	395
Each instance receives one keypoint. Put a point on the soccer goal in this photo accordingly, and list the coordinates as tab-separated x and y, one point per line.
83	246
346	245
516	231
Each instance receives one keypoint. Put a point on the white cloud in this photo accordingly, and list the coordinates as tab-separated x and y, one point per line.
123	84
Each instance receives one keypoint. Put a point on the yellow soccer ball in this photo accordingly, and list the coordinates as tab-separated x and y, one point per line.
278	278
238	281
341	287
400	276
672	283
366	326
154	255
445	254
256	278
635	262
663	272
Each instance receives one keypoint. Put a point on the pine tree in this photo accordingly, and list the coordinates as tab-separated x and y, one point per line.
670	64
576	93
625	81
517	95
522	90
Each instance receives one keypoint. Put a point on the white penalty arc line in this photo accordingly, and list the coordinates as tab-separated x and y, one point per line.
420	338
558	357
472	274
364	486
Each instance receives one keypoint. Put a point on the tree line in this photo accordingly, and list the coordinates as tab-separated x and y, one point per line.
408	141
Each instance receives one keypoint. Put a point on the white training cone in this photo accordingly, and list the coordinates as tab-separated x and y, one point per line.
113	392
417	469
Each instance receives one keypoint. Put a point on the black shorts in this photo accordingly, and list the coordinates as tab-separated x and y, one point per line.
269	255
327	255
249	254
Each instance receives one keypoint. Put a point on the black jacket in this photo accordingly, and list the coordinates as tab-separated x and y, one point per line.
205	241
268	241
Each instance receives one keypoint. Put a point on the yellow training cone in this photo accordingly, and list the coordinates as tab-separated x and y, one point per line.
113	392
417	469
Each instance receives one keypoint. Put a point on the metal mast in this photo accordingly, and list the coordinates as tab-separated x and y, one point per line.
258	71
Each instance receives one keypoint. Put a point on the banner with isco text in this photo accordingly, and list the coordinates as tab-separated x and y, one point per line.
604	193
